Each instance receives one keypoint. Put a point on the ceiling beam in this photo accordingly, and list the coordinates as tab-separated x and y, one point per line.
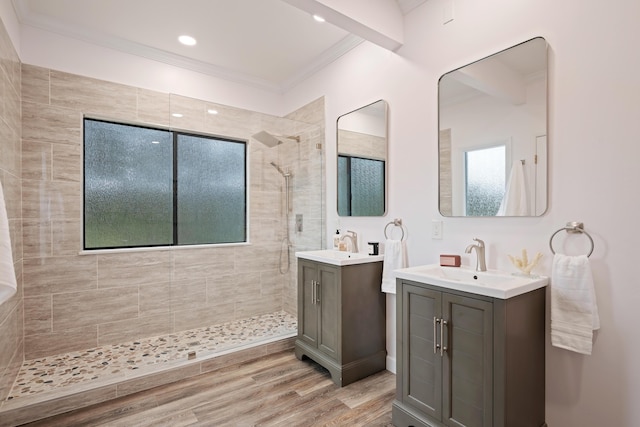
495	79
378	21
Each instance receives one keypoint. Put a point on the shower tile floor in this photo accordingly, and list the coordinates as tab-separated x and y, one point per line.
51	373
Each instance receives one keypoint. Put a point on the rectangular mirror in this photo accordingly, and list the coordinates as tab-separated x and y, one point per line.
362	161
492	117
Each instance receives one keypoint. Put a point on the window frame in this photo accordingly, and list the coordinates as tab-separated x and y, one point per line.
174	135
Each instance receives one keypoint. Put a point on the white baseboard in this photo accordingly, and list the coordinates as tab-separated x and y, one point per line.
391	364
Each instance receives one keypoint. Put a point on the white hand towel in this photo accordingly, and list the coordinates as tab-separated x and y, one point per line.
574	311
8	283
394	258
514	202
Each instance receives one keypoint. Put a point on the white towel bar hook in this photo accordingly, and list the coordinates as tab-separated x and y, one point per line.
573	228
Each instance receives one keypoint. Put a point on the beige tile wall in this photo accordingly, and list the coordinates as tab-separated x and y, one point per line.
362	145
446	185
11	312
75	301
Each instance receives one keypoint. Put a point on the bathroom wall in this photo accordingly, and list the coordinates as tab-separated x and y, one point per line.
77	301
593	153
11	340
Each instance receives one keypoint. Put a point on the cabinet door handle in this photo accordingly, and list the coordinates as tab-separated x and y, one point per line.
318	292
443	348
436	346
313	292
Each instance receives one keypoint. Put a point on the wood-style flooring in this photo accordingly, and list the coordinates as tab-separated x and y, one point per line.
277	390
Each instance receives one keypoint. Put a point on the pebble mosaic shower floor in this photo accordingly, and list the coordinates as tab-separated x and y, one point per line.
63	370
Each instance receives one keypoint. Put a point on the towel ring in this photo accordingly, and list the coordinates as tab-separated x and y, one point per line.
398	223
572	227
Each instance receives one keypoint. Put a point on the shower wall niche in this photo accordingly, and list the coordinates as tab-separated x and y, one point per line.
75	301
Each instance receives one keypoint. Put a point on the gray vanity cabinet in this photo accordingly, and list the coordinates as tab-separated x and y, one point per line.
341	318
468	360
318	313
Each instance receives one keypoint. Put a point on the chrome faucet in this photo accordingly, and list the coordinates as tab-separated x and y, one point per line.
481	264
353	236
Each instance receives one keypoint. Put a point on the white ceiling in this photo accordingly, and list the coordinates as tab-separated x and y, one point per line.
265	43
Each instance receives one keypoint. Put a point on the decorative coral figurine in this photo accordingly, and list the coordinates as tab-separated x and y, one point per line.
523	263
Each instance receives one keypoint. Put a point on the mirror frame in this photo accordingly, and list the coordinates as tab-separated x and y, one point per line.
541	162
384	106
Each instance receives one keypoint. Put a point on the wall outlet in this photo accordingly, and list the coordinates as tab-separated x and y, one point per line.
436	229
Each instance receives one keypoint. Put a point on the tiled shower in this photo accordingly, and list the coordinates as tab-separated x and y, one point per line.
72	301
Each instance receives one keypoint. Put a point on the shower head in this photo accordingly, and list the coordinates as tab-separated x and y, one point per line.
283	173
271	140
267	139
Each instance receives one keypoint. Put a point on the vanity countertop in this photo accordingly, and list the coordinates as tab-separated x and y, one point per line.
339	258
491	283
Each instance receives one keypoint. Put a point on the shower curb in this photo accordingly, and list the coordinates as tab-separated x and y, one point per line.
28	409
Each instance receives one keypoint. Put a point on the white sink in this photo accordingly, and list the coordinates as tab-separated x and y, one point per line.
334	257
492	283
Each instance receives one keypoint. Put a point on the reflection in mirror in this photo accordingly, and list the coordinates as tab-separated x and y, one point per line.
362	158
492	143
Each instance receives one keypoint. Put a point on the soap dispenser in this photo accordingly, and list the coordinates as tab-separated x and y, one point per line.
336	240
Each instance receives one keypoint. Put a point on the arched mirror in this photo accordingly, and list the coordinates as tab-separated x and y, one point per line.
493	134
362	161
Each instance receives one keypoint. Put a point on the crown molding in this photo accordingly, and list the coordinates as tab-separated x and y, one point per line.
330	55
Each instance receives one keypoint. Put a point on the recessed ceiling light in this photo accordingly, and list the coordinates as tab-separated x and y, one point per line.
318	18
177	115
212	111
187	40
155	142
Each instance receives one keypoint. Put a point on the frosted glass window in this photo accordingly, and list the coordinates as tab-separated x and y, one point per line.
485	172
363	182
128	194
134	189
211	191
